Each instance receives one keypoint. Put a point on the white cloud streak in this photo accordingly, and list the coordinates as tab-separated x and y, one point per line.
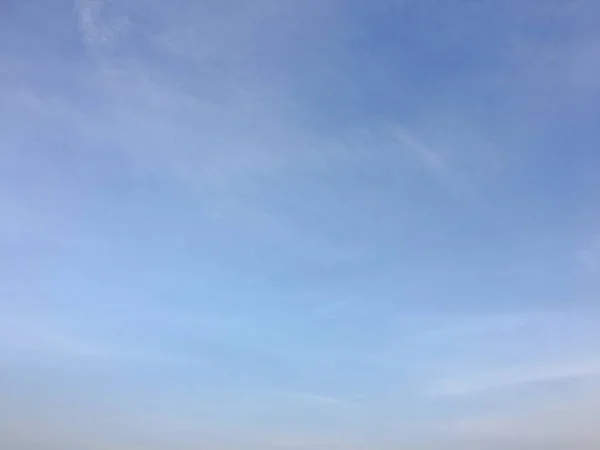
589	257
24	337
429	158
516	377
316	399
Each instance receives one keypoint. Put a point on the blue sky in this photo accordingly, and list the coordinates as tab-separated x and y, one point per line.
299	224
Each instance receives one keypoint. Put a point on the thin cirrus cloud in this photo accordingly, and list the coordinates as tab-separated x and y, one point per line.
314	224
518	377
34	337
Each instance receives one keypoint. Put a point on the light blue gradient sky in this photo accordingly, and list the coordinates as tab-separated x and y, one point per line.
316	224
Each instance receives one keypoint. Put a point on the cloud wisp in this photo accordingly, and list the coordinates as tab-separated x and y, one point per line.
515	378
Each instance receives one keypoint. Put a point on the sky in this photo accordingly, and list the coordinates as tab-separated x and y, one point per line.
299	224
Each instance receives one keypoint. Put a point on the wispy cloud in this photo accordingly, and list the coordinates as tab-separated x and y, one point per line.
526	351
316	399
95	29
432	160
429	158
515	377
589	257
230	144
23	336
